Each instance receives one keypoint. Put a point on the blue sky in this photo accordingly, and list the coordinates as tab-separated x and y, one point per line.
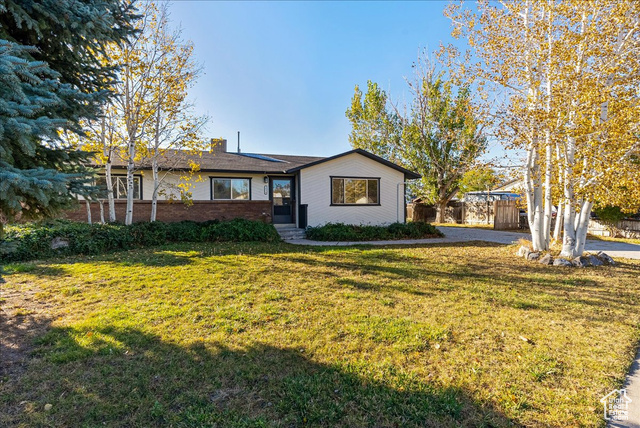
283	73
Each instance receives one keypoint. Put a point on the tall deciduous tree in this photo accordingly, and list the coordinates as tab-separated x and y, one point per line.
151	114
173	125
375	126
438	135
569	72
479	178
52	78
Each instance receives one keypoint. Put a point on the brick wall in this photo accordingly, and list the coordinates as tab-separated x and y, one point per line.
170	211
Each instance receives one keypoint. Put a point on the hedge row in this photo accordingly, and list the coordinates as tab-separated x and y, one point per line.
346	232
34	241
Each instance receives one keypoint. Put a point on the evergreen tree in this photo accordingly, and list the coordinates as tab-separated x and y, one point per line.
52	76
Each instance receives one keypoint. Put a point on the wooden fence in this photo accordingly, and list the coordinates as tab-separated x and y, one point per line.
506	215
503	215
629	228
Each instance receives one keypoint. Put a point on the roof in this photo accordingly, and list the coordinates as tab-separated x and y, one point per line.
408	175
509	185
220	161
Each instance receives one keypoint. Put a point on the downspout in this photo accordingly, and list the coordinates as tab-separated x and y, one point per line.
402	183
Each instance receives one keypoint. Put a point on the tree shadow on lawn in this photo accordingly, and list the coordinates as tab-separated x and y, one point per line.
37	267
126	377
367	247
492	278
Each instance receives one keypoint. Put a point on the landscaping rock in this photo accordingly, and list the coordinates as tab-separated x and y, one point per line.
546	259
581	262
57	243
562	262
594	261
523	251
606	259
533	256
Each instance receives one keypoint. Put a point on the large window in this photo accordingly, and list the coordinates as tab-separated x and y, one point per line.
230	188
119	185
355	191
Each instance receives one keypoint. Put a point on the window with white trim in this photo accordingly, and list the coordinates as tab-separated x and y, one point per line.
230	188
119	185
355	191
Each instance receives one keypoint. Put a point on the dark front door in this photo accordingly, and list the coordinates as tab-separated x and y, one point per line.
281	197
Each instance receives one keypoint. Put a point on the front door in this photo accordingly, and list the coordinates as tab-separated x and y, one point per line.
281	197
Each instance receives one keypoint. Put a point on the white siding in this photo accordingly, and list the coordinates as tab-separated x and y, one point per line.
201	189
315	191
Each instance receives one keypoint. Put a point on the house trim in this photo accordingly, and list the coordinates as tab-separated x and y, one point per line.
408	175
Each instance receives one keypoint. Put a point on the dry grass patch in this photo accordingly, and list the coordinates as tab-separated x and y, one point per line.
277	335
612	239
469	226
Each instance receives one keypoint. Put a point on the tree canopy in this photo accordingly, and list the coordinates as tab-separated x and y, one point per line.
566	75
438	134
52	78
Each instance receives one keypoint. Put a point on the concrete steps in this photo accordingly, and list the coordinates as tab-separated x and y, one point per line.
290	231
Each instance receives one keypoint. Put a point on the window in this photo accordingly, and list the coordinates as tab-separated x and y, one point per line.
119	185
355	191
230	188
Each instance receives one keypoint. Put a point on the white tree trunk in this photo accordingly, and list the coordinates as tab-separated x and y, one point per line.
156	186
532	174
545	232
88	204
534	199
548	161
101	205
583	225
110	200
559	219
130	170
569	240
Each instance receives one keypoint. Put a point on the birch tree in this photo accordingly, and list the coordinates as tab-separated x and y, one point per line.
100	138
172	126
567	74
151	114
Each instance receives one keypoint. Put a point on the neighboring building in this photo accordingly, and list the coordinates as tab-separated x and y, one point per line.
355	187
515	185
484	196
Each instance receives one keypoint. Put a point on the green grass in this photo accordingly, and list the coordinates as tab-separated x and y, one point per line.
261	335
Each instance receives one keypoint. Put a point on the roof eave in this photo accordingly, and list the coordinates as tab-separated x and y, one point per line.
408	175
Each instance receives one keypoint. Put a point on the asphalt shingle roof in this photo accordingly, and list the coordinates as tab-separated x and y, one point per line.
256	163
227	161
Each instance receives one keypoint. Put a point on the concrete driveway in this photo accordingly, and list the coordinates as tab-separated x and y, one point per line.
464	234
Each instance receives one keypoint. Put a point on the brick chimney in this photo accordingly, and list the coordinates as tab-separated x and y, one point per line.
218	145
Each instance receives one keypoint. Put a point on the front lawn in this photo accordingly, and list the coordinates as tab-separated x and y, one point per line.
212	334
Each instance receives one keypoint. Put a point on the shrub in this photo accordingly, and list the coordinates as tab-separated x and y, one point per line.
240	230
347	232
33	241
609	214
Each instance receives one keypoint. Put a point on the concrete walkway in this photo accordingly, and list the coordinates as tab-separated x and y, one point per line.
632	386
464	234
